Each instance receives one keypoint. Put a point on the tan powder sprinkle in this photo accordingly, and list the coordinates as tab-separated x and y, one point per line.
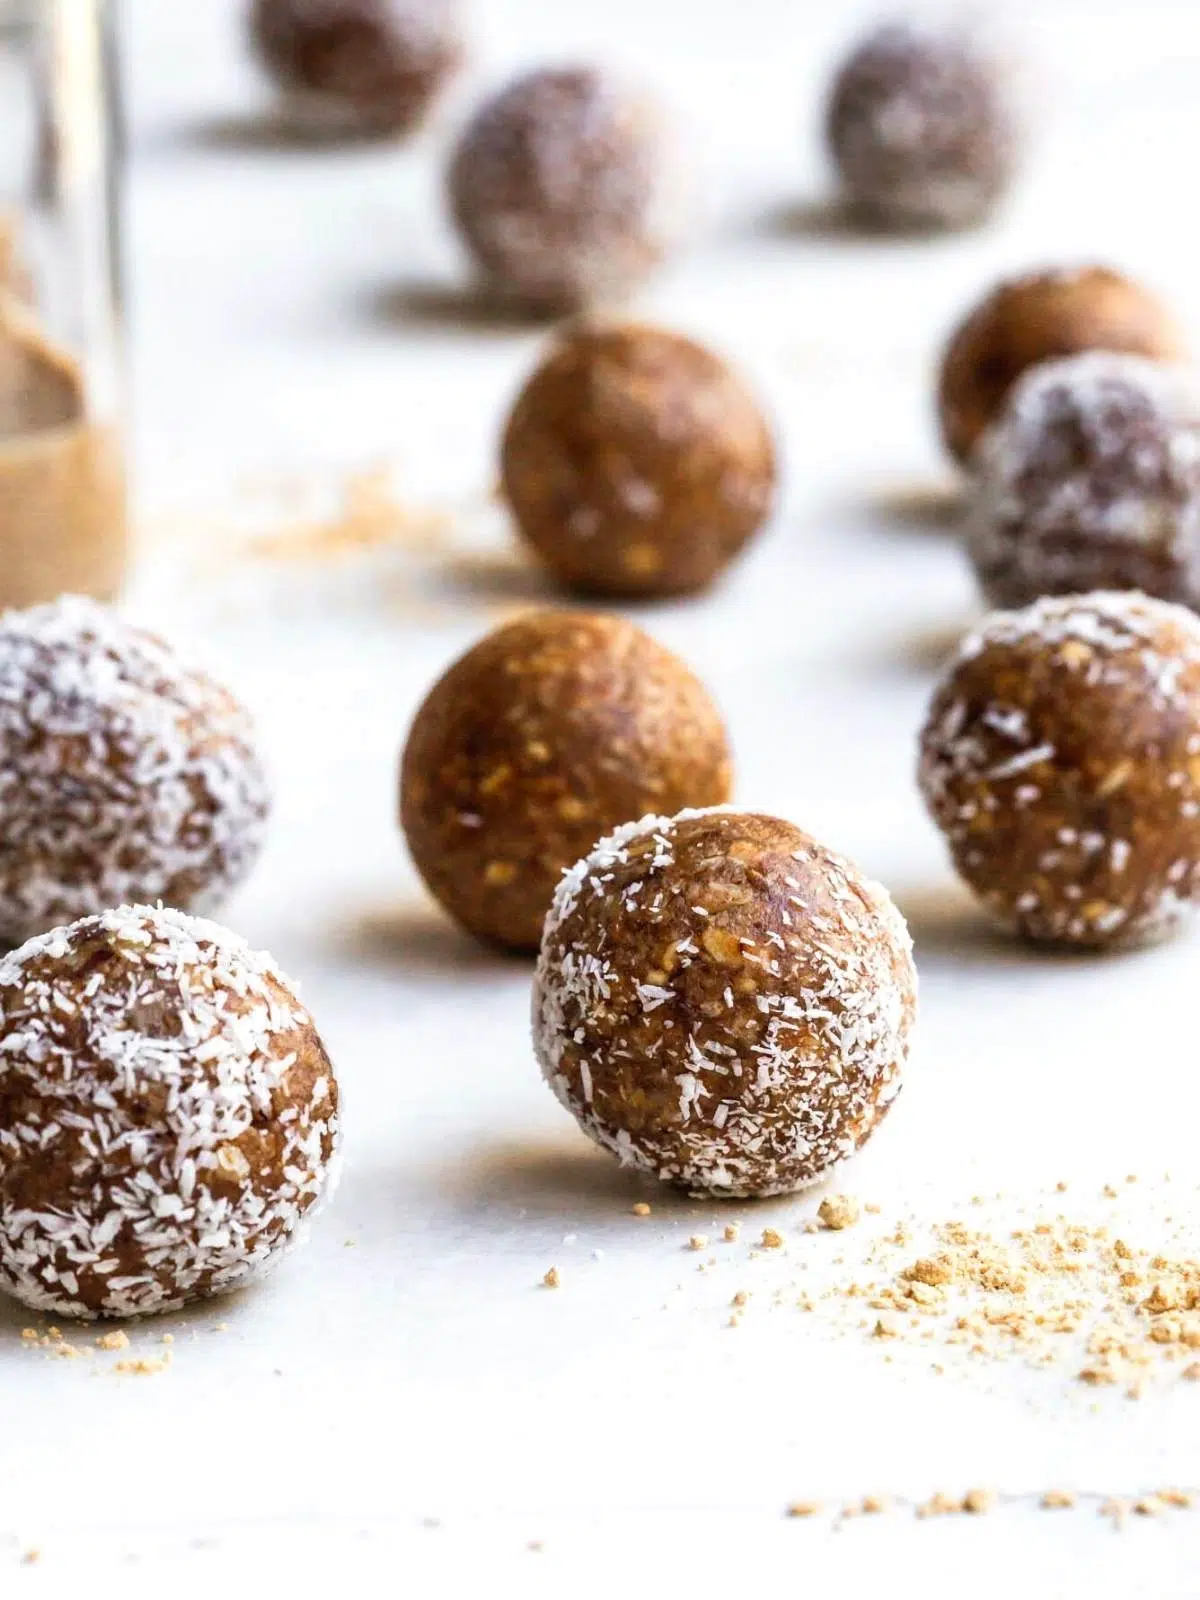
552	1279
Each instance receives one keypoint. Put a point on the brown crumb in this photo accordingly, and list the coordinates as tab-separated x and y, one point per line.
116	1340
1178	1499
641	1209
771	1239
804	1508
1058	1500
977	1502
873	1505
30	1335
1148	1506
740	1298
552	1279
838	1211
939	1505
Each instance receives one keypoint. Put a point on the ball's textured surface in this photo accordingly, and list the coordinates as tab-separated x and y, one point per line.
168	1115
724	1003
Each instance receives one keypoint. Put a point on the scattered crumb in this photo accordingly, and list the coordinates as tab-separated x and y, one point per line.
804	1508
641	1209
976	1502
939	1505
143	1366
1148	1506
698	1241
873	1505
1178	1499
1057	1500
552	1279
732	1232
31	1557
168	1338
116	1340
771	1239
838	1211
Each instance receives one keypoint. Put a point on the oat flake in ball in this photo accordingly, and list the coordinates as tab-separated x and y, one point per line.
567	189
724	1003
636	462
923	125
168	1115
125	774
1042	316
1091	480
1061	759
550	732
374	65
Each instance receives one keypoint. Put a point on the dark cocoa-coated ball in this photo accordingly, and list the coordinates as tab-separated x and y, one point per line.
567	189
923	126
636	462
550	732
1061	759
1038	317
1091	480
724	1003
379	64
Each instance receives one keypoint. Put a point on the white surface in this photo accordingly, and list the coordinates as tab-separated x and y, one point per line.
286	320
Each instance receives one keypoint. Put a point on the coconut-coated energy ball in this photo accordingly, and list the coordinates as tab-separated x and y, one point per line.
724	1003
1061	759
546	735
126	775
923	125
567	188
168	1115
377	65
1091	480
1042	316
636	462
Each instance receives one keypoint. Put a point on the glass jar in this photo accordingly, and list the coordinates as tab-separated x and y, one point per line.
63	518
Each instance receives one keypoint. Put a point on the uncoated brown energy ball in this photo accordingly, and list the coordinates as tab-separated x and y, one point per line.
1038	317
636	462
379	64
923	125
1061	759
168	1115
547	734
567	188
724	1003
1091	480
125	773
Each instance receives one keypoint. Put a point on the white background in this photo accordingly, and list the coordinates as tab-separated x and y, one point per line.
295	314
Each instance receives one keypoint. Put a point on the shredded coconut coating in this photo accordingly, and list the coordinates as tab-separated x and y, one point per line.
924	125
568	188
1091	480
125	775
723	1002
1061	759
168	1115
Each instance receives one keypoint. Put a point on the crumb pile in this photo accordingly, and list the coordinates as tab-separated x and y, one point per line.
1085	1298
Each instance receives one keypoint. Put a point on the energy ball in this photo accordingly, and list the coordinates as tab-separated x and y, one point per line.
1039	317
1061	759
125	774
550	732
168	1115
636	462
923	125
377	65
567	189
1091	480
724	1003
